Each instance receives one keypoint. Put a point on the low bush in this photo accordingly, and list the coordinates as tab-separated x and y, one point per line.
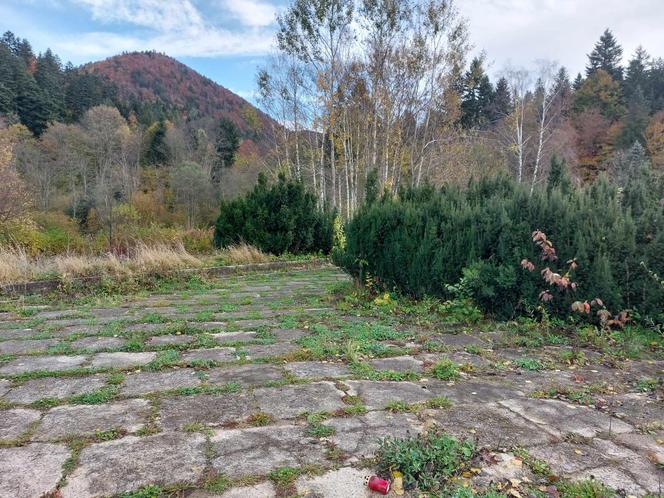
428	462
277	218
428	242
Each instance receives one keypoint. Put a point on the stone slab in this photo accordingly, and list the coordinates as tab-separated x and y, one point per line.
263	490
645	444
56	388
253	324
612	477
62	421
122	359
359	437
4	386
39	363
268	350
398	364
492	425
291	401
17	333
27	346
377	394
127	464
474	391
642	467
317	370
147	382
166	340
459	341
15	422
567	459
211	354
224	337
565	417
259	450
98	343
290	334
32	470
346	482
208	409
246	375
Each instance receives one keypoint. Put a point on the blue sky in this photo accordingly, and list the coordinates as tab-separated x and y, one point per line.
227	40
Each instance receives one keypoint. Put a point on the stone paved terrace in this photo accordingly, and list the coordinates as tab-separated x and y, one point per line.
189	389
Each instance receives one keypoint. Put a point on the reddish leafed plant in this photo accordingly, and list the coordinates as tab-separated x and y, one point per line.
563	283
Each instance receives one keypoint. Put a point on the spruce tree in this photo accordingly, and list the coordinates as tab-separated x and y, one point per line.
157	151
49	78
31	106
477	94
635	120
228	143
562	91
606	55
637	77
502	101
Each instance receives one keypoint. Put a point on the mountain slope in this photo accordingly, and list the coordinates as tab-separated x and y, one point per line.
156	78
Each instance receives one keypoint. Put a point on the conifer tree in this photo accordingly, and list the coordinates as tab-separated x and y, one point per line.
49	78
635	120
157	151
606	55
501	105
228	143
477	95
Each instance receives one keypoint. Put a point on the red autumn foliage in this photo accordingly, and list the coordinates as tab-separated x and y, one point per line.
563	282
154	77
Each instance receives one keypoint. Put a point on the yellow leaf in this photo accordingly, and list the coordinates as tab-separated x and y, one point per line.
578	451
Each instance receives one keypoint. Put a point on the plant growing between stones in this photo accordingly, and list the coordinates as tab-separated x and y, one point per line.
561	281
427	461
445	369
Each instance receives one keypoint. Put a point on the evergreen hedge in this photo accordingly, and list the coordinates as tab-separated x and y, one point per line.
279	218
424	240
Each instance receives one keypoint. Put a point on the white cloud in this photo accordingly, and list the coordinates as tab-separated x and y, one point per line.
175	27
163	15
561	30
252	13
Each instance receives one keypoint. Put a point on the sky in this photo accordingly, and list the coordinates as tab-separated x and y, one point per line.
227	40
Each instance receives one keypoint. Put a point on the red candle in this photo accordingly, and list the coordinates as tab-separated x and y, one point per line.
375	483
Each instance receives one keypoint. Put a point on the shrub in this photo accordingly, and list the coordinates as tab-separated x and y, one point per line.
426	461
277	218
424	240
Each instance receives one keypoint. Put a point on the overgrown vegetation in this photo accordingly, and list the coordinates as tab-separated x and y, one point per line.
278	218
427	462
17	265
442	242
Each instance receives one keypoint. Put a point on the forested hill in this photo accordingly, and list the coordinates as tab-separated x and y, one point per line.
38	90
151	78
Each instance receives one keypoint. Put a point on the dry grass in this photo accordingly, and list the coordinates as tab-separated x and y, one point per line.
242	254
16	265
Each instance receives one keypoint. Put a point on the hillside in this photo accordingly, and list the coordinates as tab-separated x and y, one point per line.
150	77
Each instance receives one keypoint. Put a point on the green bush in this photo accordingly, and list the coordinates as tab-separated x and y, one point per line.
427	462
425	241
277	218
